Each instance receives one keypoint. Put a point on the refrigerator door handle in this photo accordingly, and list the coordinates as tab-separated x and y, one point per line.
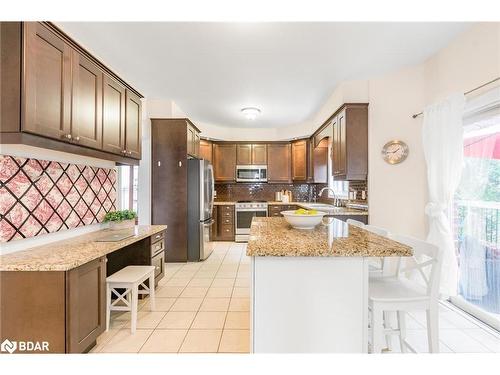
209	224
212	197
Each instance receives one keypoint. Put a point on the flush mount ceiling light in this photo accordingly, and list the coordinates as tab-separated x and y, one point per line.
250	113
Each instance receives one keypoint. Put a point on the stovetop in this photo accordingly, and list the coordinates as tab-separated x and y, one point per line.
252	201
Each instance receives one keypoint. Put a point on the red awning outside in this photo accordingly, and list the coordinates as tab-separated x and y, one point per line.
484	146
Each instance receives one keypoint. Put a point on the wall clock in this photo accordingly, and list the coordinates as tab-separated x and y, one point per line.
395	152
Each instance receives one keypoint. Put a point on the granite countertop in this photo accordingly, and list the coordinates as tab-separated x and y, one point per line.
335	210
71	253
273	236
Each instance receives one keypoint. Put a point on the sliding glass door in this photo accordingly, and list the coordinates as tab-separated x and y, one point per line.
476	219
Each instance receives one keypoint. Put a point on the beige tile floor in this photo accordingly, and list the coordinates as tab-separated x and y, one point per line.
204	308
200	308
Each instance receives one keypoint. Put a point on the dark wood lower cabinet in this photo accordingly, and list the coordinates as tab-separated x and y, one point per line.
274	210
67	309
224	227
362	218
85	305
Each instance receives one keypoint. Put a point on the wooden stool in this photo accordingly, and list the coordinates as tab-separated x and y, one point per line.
130	278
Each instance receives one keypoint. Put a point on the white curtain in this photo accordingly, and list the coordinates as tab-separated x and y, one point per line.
443	150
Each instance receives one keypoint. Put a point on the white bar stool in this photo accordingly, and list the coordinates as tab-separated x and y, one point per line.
403	294
130	278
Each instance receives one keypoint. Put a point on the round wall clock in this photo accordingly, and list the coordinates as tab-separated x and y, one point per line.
395	152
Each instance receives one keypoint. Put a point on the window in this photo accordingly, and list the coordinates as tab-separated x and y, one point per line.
127	180
476	218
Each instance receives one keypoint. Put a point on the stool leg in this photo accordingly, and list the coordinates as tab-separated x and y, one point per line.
133	311
152	292
390	319
377	329
108	306
402	330
433	328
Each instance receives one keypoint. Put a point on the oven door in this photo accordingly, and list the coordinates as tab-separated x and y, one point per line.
158	261
244	218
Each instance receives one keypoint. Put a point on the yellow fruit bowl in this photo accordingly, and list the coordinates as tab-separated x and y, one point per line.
303	219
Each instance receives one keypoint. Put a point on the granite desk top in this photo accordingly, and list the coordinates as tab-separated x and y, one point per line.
273	236
71	253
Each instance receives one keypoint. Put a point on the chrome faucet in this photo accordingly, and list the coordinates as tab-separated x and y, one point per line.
327	188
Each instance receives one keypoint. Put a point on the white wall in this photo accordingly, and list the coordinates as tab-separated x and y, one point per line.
398	194
45	154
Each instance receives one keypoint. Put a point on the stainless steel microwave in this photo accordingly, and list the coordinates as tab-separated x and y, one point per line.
251	173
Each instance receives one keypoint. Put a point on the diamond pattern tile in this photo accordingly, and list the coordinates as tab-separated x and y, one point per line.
41	196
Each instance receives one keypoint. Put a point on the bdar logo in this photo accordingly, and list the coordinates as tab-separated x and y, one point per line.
8	346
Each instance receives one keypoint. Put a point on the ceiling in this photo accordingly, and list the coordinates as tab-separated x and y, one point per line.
288	70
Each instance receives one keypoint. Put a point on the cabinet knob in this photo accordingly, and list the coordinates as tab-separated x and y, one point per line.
77	138
129	152
67	136
124	151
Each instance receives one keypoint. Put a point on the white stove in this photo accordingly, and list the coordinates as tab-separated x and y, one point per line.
245	212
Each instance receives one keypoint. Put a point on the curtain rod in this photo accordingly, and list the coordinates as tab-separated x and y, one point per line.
466	93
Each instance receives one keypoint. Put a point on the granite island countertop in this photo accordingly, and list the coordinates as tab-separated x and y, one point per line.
273	236
68	254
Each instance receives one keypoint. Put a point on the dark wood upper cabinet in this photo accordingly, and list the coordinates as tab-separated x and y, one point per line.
85	305
224	162
47	83
244	154
132	125
56	95
113	135
206	150
259	154
86	121
299	160
350	142
193	141
320	162
279	157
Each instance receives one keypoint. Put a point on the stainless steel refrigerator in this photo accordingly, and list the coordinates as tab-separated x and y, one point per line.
200	204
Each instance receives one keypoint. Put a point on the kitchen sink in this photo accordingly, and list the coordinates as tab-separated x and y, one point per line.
328	208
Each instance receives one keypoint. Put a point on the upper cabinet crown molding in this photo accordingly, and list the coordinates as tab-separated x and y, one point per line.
55	94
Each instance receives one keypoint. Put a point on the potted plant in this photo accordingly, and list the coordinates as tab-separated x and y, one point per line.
120	219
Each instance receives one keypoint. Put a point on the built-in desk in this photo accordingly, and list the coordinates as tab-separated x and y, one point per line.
55	293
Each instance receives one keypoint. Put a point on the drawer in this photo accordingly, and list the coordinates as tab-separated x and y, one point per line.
157	237
227	214
157	247
275	214
275	208
227	220
226	230
226	208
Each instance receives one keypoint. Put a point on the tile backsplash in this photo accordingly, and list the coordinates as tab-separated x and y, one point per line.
41	196
264	191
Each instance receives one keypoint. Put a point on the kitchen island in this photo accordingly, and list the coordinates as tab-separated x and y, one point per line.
309	288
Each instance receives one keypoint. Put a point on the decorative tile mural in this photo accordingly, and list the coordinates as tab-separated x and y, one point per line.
40	196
